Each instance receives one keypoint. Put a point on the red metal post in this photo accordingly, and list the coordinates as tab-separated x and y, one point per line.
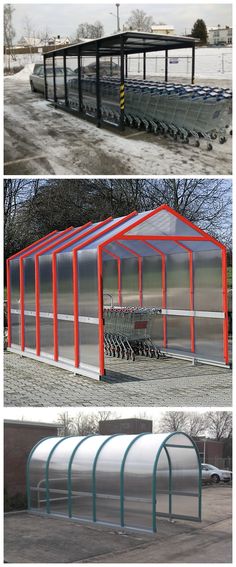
22	305
100	313
54	292
225	306
8	304
76	308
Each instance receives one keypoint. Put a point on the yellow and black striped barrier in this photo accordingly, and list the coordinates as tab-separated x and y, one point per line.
122	96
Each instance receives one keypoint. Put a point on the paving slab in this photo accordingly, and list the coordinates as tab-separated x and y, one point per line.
37	539
147	382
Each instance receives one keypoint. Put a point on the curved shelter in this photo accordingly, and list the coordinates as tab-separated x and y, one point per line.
122	480
58	288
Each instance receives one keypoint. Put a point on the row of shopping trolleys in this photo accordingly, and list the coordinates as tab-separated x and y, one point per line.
128	330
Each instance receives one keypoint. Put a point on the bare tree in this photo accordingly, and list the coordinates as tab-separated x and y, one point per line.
173	421
219	424
139	21
90	31
196	424
65	421
9	32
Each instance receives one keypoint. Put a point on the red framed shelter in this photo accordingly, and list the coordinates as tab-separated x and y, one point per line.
58	287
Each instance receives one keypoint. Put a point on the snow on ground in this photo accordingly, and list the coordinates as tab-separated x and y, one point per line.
40	140
22	75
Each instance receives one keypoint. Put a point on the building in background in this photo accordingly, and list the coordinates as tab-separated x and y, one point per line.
219	35
132	426
163	29
217	452
19	438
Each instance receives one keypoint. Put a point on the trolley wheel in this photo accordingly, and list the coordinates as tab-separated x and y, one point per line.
222	139
213	135
122	355
231	132
157	355
209	146
133	356
196	144
175	136
146	353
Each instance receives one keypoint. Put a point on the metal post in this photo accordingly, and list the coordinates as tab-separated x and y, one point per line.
45	79
144	66
166	65
122	86
54	79
98	94
80	97
126	65
65	78
118	17
193	65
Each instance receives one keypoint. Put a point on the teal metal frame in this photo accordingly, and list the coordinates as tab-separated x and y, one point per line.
164	446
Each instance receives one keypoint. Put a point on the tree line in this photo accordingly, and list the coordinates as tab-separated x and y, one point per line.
214	424
35	207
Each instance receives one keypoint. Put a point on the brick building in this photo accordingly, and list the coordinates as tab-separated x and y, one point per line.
19	438
215	452
131	426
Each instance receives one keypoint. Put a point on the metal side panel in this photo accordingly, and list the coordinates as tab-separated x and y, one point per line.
177	281
129	281
208	280
152	281
46	304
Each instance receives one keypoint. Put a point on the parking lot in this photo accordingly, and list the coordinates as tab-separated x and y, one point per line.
148	382
40	140
35	539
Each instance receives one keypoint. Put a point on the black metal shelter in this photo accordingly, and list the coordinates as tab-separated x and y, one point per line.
118	45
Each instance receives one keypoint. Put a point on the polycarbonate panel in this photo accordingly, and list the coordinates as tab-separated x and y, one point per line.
66	239
178	333
96	230
209	338
59	76
167	246
129	281
29	302
185	506
179	439
88	344
152	281
201	245
110	281
108	478
37	470
208	280
162	484
139	247
46	304
184	467
87	283
163	223
30	332
113	231
15	300
138	481
58	474
65	305
177	281
82	469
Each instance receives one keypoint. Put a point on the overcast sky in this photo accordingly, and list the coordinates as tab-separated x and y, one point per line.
63	19
50	415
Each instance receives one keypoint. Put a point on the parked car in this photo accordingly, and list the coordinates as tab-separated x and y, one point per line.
213	474
106	68
37	77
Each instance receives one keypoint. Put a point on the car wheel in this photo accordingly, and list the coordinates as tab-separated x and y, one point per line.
33	90
215	478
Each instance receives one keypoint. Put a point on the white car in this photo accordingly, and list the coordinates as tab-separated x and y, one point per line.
37	78
213	474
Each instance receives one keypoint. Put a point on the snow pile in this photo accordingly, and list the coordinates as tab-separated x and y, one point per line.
23	75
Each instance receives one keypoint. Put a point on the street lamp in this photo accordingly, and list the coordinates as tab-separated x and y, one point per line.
117	16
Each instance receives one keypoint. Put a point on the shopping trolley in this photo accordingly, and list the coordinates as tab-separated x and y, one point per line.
128	332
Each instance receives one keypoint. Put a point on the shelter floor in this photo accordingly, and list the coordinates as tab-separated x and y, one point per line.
35	539
147	382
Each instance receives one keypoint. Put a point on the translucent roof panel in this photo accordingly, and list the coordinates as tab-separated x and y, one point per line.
201	246
163	223
75	235
169	246
127	223
98	230
59	240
